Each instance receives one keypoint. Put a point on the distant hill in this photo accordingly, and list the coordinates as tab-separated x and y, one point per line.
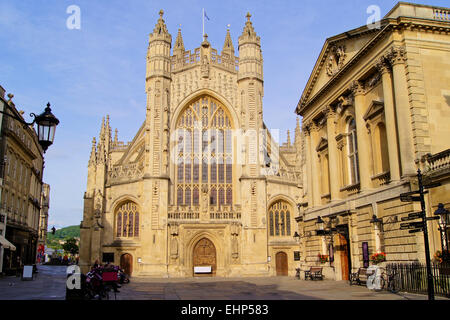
62	234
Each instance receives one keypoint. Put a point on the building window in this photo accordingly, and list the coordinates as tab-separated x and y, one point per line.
127	220
280	219
204	134
382	155
353	152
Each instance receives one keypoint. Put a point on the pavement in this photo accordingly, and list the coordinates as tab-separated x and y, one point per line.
49	284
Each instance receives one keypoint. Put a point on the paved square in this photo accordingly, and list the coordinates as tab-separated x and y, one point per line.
50	282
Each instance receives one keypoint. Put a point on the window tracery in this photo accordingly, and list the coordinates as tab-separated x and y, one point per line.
127	220
204	159
280	219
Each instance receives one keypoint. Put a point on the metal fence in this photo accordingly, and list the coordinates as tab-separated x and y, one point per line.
413	277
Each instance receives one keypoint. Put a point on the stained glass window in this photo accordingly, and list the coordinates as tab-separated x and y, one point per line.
204	130
127	220
279	219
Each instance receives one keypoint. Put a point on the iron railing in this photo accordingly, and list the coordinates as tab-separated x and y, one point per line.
413	277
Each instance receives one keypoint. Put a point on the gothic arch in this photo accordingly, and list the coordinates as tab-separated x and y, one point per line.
190	245
123	198
127	220
280	217
196	95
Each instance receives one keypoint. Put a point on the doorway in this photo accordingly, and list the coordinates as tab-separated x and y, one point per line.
281	263
204	255
344	251
126	263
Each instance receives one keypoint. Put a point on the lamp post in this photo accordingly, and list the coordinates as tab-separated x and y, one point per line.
443	213
46	125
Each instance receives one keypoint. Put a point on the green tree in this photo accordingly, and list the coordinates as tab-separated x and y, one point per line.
71	246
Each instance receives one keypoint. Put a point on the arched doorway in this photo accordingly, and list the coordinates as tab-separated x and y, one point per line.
126	263
204	255
281	263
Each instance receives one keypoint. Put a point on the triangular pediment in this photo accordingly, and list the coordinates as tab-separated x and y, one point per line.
323	144
375	108
336	55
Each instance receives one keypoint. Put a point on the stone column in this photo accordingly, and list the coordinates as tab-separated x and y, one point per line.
389	113
362	136
332	153
306	130
314	130
397	57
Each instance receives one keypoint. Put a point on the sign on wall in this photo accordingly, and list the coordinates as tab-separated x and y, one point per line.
365	251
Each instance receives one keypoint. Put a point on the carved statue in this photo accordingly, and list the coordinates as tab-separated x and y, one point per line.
205	67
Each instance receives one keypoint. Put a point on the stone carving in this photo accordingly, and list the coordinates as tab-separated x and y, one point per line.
357	87
173	230
335	60
205	198
396	54
205	67
235	227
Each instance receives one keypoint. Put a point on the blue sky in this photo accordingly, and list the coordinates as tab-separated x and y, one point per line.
100	68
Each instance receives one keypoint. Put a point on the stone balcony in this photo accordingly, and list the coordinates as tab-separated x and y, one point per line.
223	213
436	165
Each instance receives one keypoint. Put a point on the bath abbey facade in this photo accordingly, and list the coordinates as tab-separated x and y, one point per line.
203	188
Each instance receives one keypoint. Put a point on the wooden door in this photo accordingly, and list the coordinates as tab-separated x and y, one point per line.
205	255
126	263
281	264
343	251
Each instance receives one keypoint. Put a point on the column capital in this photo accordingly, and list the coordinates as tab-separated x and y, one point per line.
314	127
357	88
382	64
306	128
396	55
328	112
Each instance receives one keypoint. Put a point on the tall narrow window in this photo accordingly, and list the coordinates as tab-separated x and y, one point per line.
353	152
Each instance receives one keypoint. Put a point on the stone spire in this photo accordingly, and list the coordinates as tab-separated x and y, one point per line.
228	44
116	139
93	157
160	30
178	49
288	139
249	34
298	133
102	130
250	54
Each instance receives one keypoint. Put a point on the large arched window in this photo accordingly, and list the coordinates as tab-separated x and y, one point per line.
127	220
280	219
352	152
204	159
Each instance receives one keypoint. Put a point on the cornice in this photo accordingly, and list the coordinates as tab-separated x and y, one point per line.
390	24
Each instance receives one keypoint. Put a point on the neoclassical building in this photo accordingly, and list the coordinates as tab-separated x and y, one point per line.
375	109
203	188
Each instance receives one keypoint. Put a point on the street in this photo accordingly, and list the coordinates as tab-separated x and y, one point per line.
49	284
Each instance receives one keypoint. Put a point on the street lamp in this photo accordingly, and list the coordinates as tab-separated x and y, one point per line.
443	213
377	222
329	231
320	226
46	125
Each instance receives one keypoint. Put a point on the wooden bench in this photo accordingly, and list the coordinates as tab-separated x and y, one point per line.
359	277
314	273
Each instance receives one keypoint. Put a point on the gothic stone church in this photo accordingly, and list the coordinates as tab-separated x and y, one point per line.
203	189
